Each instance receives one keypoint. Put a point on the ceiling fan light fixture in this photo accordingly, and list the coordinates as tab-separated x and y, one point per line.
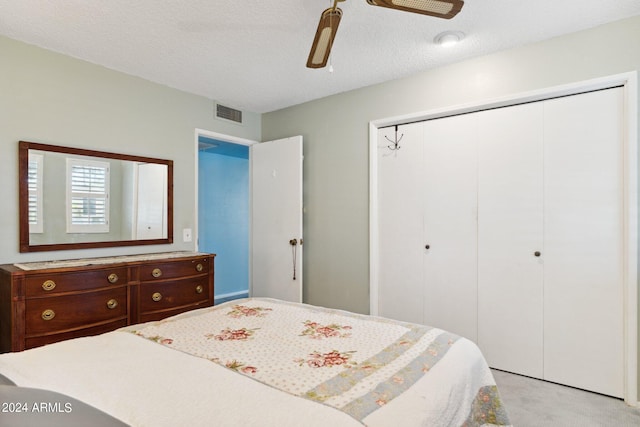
323	39
445	9
449	38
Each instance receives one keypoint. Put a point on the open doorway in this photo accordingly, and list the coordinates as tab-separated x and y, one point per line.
223	212
249	213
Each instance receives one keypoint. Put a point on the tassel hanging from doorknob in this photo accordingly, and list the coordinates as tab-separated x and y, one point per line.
294	254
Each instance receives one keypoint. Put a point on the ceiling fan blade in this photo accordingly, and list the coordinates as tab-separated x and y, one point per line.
323	40
446	9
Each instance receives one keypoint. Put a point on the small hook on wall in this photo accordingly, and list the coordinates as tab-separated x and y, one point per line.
395	141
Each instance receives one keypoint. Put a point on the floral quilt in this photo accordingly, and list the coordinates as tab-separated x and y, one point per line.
354	363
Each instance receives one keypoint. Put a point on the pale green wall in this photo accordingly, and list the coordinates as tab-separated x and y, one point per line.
55	99
335	131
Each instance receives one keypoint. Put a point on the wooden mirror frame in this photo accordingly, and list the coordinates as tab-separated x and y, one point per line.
23	166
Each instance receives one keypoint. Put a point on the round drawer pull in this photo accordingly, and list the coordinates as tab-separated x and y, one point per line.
156	272
156	296
48	285
199	289
111	304
113	278
199	267
48	314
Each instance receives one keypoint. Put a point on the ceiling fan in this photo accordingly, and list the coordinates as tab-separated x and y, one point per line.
330	19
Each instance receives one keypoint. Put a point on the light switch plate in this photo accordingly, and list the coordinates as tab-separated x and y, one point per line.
186	234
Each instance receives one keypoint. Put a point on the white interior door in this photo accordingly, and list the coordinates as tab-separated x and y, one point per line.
583	272
276	219
510	222
450	194
401	174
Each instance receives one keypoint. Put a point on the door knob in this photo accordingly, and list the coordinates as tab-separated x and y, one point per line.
427	246
536	253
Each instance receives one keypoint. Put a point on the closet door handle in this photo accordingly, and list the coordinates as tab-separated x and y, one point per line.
427	246
536	253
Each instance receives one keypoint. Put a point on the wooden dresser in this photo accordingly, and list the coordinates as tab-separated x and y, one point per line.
50	302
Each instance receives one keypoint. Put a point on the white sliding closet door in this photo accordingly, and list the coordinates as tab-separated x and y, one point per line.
509	227
400	219
510	224
450	196
583	271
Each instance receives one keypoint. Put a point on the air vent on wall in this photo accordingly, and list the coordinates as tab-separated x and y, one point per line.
228	113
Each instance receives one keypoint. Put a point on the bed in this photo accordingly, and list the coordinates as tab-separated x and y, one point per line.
258	362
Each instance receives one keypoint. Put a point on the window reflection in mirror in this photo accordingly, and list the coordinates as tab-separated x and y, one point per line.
73	198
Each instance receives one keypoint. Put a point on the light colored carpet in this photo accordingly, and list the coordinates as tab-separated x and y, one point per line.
535	403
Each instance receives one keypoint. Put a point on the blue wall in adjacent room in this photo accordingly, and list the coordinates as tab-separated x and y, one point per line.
223	215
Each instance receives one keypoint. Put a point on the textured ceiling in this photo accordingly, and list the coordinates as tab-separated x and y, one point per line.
251	54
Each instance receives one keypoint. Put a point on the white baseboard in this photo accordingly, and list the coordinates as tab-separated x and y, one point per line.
217	299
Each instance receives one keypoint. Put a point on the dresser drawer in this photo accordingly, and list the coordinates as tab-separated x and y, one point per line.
175	293
53	283
38	340
173	269
59	313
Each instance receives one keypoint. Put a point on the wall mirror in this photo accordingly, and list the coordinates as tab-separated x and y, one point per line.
71	198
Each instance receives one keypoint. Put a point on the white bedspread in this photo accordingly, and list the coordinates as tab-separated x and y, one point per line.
223	374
